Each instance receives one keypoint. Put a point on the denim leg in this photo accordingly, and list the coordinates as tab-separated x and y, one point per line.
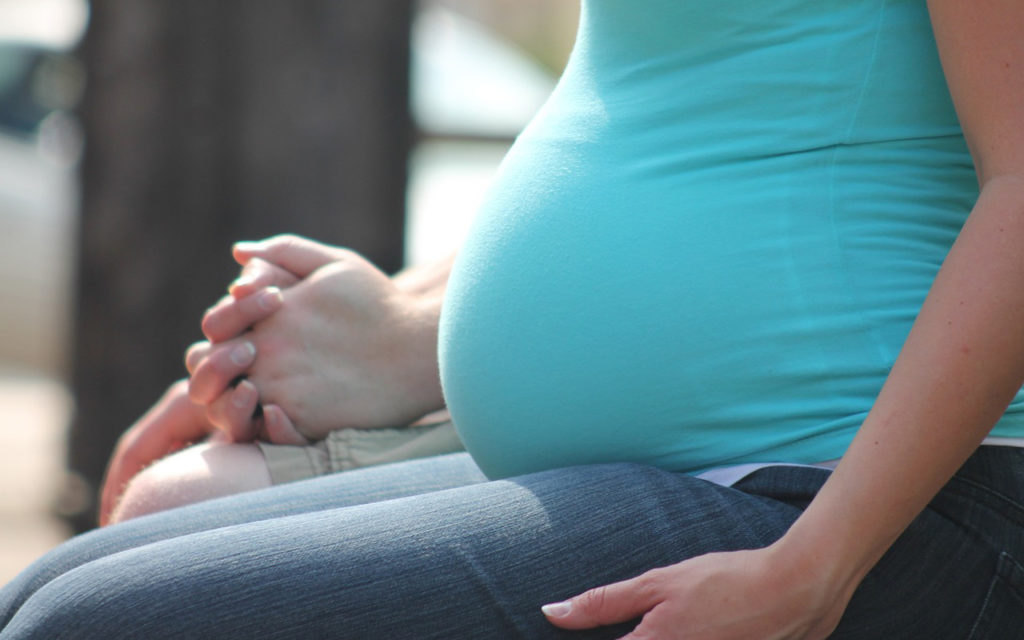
473	562
478	561
470	562
350	488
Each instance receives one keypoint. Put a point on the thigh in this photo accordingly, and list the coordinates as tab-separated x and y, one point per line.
328	492
472	562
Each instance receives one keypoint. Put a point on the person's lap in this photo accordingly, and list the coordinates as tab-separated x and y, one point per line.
475	561
326	492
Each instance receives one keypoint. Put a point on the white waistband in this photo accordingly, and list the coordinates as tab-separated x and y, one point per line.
728	476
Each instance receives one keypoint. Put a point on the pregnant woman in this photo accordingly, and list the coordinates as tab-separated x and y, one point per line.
699	344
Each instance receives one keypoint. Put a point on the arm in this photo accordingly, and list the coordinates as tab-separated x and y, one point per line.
964	359
429	279
959	368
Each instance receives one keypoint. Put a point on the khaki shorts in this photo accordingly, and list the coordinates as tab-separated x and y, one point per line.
347	449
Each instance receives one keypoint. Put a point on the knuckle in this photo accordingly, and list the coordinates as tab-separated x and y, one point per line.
286	241
593	601
210	376
251	307
649	581
197	348
209	324
652	585
194	356
215	415
221	363
283	238
196	390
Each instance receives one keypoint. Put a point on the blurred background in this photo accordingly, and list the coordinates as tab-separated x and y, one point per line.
140	138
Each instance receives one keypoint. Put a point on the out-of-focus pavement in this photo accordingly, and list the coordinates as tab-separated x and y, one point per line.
35	412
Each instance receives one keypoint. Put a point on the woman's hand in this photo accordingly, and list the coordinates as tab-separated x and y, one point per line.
755	594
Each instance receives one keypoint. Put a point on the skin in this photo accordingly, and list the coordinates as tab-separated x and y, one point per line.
349	346
960	367
174	422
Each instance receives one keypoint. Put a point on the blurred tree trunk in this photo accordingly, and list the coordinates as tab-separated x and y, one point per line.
209	121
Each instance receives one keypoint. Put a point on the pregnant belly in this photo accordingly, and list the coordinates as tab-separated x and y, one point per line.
589	319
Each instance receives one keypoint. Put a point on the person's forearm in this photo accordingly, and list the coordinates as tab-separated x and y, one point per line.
959	368
426	283
429	279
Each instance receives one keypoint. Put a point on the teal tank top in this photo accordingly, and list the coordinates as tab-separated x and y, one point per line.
710	244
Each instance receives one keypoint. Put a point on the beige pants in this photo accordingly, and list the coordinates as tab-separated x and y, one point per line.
347	449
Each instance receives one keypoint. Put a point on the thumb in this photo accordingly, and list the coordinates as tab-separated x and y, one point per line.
301	256
605	605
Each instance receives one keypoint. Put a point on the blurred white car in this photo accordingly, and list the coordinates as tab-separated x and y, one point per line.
39	146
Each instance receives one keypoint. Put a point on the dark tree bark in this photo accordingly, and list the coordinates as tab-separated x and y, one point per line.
209	121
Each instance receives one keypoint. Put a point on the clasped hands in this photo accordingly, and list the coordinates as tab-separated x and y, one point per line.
320	339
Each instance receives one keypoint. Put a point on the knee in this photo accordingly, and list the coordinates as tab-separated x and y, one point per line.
195	474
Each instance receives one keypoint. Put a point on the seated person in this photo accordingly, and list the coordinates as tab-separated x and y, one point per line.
741	241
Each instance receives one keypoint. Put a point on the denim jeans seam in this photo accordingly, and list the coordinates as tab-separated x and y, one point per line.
984	606
995	498
1006	569
1012	572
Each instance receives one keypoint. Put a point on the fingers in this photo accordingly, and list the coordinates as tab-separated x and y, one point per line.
605	605
234	410
195	354
240	418
214	367
259	274
231	317
298	255
278	428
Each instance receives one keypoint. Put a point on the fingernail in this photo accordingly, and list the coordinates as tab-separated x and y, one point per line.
270	299
243	354
242	395
247	245
557	609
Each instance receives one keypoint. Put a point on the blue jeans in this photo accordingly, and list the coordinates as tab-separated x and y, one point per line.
348	556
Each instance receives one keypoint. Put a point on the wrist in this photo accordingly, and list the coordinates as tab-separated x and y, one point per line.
828	545
420	353
826	577
428	279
